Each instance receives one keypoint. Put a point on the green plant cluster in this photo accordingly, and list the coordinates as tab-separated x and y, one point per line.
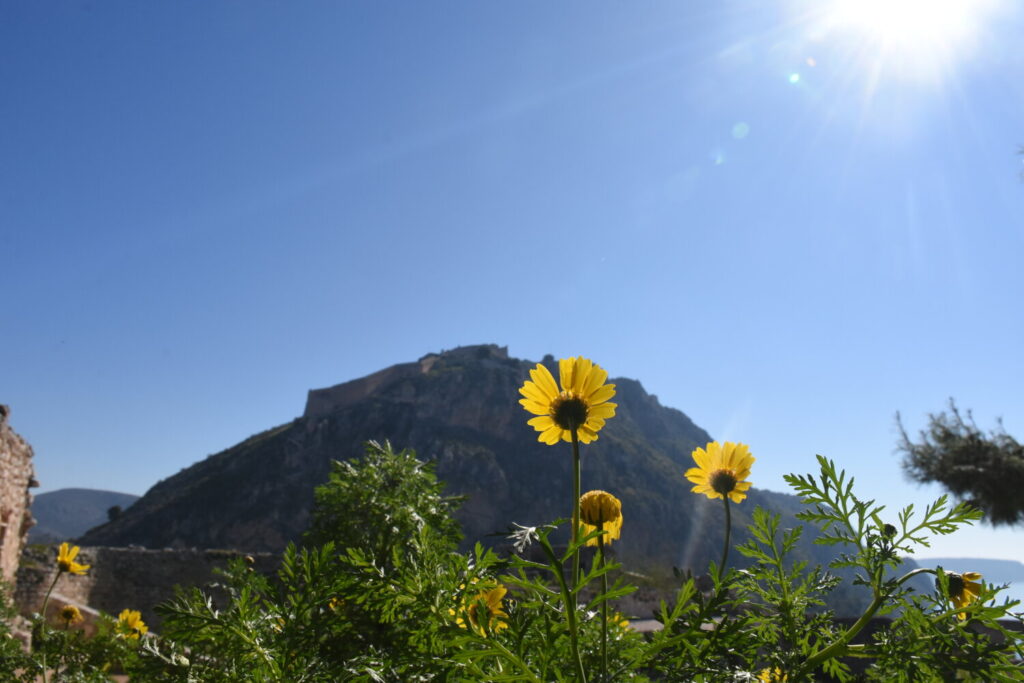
379	592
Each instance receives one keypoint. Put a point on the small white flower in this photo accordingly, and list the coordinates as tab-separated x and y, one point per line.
523	536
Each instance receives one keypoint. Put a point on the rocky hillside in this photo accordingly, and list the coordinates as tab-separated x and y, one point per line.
458	409
67	513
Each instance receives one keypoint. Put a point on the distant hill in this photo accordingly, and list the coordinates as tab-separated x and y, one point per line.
458	409
68	513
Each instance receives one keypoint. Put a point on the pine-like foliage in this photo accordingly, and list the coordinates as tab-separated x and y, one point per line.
985	470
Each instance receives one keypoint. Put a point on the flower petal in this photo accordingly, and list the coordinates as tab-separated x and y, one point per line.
541	423
581	372
536	408
532	391
565	369
542	377
595	379
601	394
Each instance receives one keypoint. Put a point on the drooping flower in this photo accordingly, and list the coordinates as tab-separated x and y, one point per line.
600	509
69	614
963	589
581	403
130	624
484	613
722	470
66	560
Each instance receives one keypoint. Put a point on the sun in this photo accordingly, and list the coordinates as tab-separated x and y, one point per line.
916	38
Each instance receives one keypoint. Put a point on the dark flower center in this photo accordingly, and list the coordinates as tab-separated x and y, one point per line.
956	584
722	481
64	565
569	411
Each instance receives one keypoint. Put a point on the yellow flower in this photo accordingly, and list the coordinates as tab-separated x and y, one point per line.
581	404
66	560
771	676
130	624
722	470
618	620
70	614
484	612
963	589
600	509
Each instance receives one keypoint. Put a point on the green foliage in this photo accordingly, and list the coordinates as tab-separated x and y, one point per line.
986	470
376	504
392	600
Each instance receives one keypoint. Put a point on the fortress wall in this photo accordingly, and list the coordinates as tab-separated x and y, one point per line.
124	578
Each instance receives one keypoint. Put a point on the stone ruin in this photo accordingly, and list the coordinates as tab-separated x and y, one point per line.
16	478
119	578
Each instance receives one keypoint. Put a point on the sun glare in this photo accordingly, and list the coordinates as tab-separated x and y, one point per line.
915	37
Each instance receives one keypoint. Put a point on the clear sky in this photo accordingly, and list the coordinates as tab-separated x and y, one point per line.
789	220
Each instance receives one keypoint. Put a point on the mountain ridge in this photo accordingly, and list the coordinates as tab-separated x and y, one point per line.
67	513
459	410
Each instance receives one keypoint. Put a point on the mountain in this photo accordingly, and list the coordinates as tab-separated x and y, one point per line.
458	409
66	513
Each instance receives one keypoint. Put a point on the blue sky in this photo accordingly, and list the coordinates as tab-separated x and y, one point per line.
785	222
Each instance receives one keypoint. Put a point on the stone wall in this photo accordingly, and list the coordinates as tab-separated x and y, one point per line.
123	578
16	477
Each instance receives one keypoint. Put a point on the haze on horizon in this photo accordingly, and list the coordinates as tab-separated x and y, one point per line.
789	220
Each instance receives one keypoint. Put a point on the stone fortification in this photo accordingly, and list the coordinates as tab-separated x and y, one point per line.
320	402
123	578
16	477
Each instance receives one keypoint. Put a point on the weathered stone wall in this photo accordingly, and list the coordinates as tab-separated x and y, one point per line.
16	477
123	578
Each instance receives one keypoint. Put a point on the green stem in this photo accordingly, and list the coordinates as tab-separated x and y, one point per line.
575	511
569	600
604	608
728	532
510	656
46	602
840	645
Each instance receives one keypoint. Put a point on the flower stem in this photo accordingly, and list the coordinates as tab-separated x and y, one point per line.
575	511
46	601
569	600
604	608
843	642
728	531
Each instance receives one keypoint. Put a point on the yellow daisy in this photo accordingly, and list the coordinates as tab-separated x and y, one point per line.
600	509
772	675
69	614
484	613
581	404
722	470
618	620
130	624
66	560
963	589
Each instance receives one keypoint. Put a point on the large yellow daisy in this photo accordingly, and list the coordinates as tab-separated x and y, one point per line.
66	560
69	614
130	625
581	404
600	509
963	589
722	470
485	613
